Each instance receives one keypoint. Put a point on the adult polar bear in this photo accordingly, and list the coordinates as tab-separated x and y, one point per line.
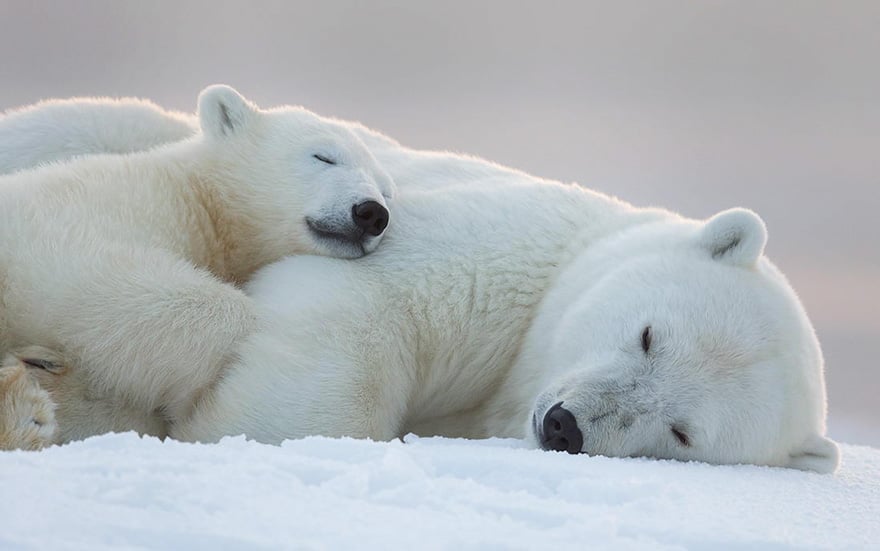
510	306
58	130
108	258
505	305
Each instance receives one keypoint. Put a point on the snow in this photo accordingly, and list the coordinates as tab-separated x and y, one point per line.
120	490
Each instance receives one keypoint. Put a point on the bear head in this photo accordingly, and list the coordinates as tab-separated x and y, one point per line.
681	340
314	182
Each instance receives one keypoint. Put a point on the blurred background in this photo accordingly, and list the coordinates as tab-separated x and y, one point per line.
696	106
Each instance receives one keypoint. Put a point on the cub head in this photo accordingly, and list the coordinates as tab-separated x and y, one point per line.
681	340
309	180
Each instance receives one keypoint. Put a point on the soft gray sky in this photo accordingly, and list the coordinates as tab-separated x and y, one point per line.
693	105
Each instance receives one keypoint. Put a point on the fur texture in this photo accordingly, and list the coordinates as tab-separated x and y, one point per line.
58	130
499	295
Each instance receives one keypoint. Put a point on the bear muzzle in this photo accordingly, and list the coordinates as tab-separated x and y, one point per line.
359	233
559	430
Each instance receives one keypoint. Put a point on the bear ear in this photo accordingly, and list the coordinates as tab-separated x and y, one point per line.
223	111
818	454
736	236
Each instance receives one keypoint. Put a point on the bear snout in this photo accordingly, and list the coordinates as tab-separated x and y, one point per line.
370	216
559	431
359	232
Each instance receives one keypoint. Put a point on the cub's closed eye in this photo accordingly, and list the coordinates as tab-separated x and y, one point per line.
324	159
647	337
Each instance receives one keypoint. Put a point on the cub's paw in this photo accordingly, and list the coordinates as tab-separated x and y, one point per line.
27	412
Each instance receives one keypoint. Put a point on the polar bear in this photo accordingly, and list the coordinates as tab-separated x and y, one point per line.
130	264
60	129
506	305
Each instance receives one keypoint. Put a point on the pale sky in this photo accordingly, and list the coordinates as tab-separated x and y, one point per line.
693	105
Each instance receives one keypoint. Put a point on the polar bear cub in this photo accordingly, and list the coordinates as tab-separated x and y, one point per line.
129	264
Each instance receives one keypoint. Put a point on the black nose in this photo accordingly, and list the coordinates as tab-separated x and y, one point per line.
370	216
560	431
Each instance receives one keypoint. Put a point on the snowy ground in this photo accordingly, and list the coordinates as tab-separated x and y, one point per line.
122	491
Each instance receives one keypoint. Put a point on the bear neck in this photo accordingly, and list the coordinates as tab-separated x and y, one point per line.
515	257
228	240
237	248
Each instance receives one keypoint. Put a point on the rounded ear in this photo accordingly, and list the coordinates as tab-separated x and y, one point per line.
818	454
223	111
736	236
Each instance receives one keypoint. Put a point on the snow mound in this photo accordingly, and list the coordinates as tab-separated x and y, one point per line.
123	491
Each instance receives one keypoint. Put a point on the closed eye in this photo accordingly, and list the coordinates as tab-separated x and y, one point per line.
40	364
681	436
324	159
647	337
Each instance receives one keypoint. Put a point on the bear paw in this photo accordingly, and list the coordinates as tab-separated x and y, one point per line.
27	412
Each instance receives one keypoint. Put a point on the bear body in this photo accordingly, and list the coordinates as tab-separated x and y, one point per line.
129	265
58	130
506	305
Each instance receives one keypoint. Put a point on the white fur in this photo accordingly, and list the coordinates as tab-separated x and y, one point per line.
58	130
128	264
498	294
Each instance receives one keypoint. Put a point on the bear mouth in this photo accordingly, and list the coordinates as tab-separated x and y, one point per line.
346	242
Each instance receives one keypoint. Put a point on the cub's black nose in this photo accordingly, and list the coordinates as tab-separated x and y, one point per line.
560	431
370	216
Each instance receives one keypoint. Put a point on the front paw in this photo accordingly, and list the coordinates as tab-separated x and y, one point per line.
27	412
